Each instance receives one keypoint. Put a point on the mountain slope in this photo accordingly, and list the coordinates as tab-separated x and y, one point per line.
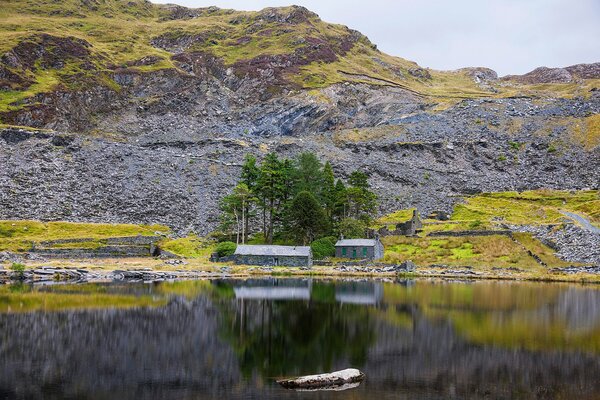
151	109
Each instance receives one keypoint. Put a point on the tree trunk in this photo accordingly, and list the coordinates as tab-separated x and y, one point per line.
237	227
270	234
243	223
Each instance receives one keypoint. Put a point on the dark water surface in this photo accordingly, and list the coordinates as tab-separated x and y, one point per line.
230	339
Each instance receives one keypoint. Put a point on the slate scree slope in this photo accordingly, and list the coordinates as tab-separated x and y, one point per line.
151	125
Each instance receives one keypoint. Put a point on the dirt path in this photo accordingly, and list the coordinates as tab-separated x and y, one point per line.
585	224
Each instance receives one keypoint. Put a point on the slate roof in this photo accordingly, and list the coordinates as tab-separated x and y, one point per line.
267	250
356	242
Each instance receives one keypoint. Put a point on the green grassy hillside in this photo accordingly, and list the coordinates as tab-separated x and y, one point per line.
490	211
21	235
78	44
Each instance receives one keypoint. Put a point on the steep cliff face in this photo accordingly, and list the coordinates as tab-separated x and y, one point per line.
151	109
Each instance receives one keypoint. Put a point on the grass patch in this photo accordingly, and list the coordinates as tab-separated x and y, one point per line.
19	235
531	207
476	251
190	247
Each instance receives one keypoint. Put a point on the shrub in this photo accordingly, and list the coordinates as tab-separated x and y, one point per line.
18	268
324	247
225	249
475	224
516	145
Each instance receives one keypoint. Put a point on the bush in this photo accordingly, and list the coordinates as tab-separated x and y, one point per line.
475	224
324	247
225	249
18	268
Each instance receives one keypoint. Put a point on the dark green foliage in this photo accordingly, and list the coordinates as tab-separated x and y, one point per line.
475	224
328	192
324	247
269	196
306	217
516	145
271	189
225	249
250	172
236	212
362	203
351	228
308	174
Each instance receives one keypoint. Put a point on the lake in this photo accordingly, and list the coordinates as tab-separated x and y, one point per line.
230	339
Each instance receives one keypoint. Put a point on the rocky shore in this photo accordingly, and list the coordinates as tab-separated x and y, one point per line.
77	274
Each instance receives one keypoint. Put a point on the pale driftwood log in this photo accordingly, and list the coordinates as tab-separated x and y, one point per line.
338	378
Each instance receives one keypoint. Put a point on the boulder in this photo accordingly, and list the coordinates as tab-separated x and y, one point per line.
332	379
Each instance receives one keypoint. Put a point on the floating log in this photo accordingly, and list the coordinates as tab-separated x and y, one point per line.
332	379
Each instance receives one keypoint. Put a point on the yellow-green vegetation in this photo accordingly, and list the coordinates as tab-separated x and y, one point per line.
366	134
481	252
396	217
545	253
587	131
25	298
122	32
19	235
487	211
191	246
530	207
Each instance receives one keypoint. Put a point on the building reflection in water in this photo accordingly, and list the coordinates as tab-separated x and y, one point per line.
229	339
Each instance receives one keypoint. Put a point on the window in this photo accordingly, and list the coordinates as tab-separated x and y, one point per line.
343	251
354	252
364	251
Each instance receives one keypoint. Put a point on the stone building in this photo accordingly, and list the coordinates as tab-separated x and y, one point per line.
290	256
369	249
408	228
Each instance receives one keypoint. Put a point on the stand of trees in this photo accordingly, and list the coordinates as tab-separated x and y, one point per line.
297	200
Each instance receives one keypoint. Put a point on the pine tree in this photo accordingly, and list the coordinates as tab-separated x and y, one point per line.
250	174
328	192
306	217
308	174
341	200
362	203
270	187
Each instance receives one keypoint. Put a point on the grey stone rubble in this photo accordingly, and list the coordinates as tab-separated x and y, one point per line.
571	242
46	273
369	267
173	165
578	270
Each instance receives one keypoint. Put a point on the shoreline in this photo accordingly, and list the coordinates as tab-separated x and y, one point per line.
154	270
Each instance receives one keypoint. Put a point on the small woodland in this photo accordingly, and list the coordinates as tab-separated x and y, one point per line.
295	201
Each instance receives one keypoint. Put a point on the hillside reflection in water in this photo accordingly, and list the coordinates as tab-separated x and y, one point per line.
414	339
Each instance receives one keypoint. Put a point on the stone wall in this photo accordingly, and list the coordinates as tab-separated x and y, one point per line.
288	261
129	246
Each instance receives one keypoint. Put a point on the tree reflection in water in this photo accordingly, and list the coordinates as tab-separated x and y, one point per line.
422	339
279	337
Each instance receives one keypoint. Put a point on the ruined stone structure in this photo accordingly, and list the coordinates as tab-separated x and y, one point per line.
408	228
131	246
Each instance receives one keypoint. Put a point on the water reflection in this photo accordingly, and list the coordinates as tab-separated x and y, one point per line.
229	339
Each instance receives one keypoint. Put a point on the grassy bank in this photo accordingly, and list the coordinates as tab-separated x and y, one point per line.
19	236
